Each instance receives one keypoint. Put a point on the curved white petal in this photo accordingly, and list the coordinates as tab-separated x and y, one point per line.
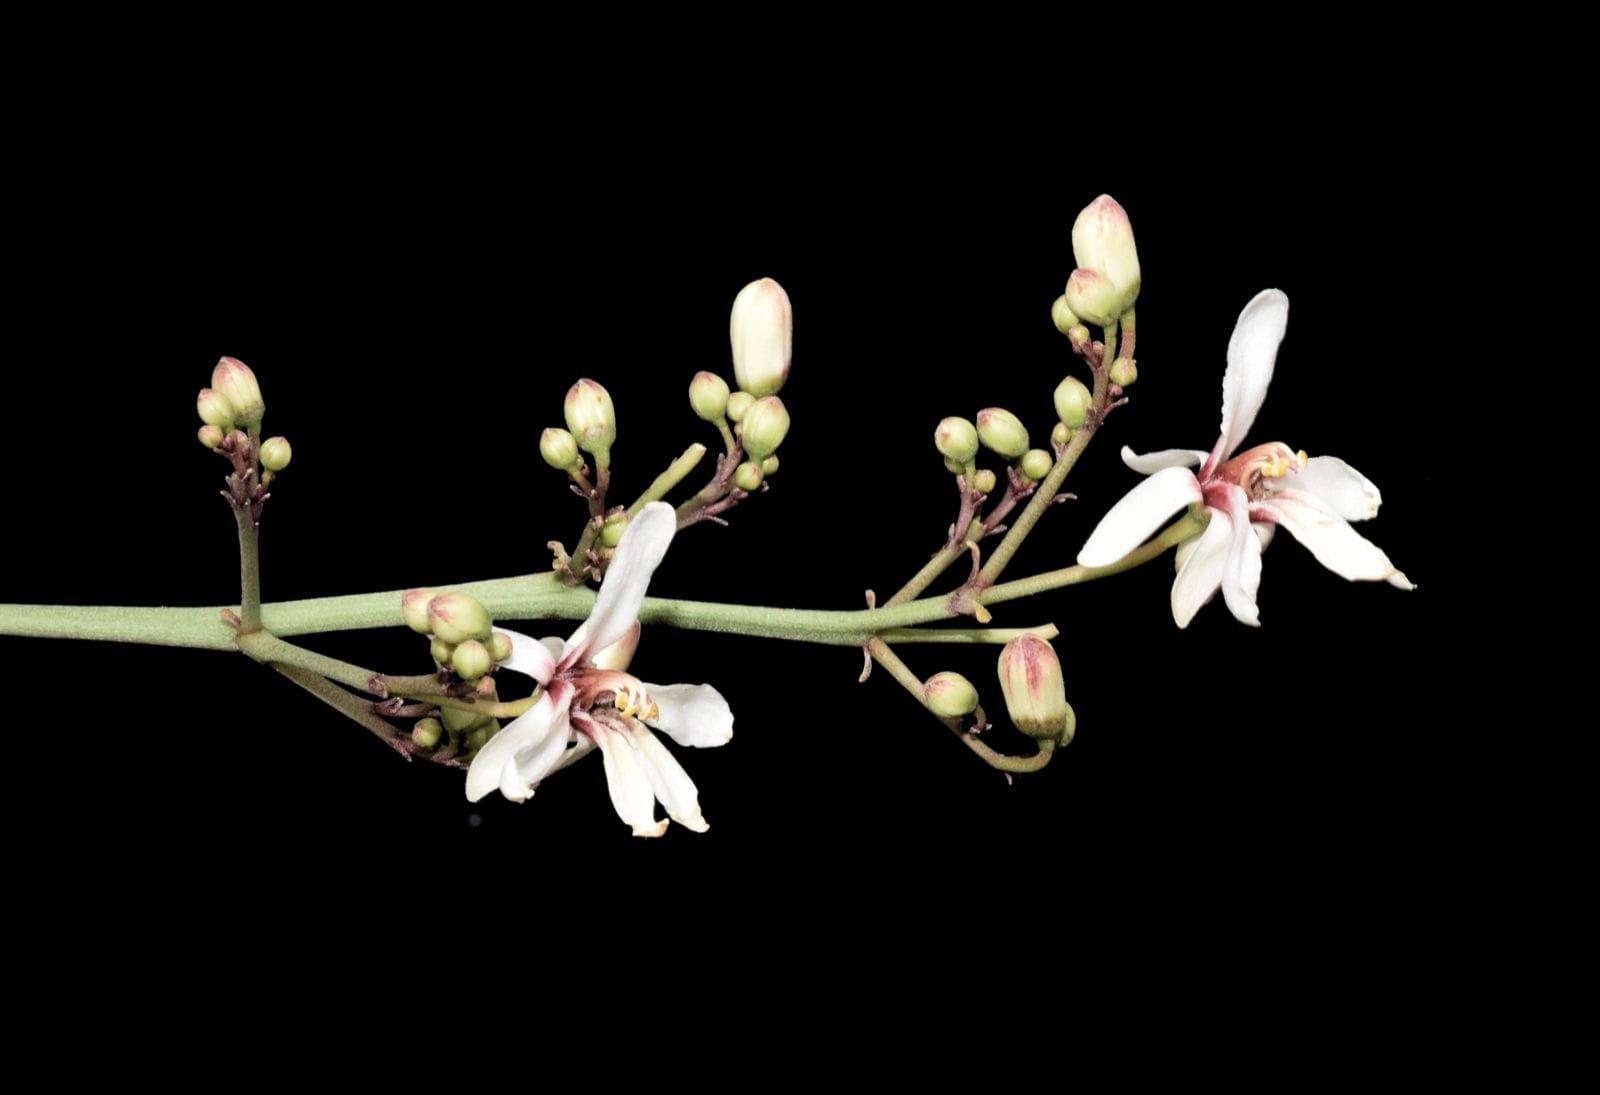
529	656
1345	491
1241	574
641	550
1140	512
671	784
1264	532
1252	352
1330	538
631	794
558	648
693	714
1201	562
1151	462
524	751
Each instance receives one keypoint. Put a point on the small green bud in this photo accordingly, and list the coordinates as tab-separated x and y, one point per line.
1124	371
949	695
1064	320
499	646
1093	296
479	737
457	719
984	481
1061	434
427	732
954	467
275	453
739	404
233	379
414	609
747	476
592	418
769	466
441	651
708	395
559	449
761	332
1002	432
457	617
1036	464
215	410
471	659
1078	335
1035	690
611	532
957	440
764	427
210	436
1072	402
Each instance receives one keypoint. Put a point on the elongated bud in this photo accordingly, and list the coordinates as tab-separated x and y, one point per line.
1036	464
456	617
765	426
559	449
1002	432
761	330
1062	316
592	418
1102	239
234	380
471	659
950	695
956	439
1036	692
210	436
414	610
1093	296
275	453
215	410
1072	402
708	395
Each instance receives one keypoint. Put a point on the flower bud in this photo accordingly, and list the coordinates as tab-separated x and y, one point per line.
761	330
708	395
1062	316
1102	239
1061	434
1036	692
1036	464
479	736
559	449
441	651
1078	335
1002	432
234	380
210	436
457	719
956	439
1072	402
1124	371
984	481
456	617
1093	296
769	466
765	426
471	659
739	404
747	476
611	532
427	732
499	646
215	410
592	418
949	695
275	453
414	609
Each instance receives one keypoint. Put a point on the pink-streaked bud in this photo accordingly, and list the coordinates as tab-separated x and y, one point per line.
234	380
761	330
214	409
1035	690
414	610
1002	432
592	418
956	439
1102	239
210	436
457	617
949	695
1093	297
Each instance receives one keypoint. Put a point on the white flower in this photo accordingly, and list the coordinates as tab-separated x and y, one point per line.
1315	499
588	703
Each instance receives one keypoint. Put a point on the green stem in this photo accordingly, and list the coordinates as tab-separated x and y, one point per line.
971	636
923	578
352	707
249	569
675	473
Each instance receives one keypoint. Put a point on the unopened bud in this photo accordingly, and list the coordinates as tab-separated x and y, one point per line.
1036	464
739	404
984	481
479	736
215	409
499	646
210	436
708	395
1102	239
747	476
1061	434
765	426
1093	296
414	609
233	379
1002	432
611	532
275	453
427	732
1078	335
1036	692
1124	371
471	659
456	617
1062	315
592	418
457	719
761	331
769	466
441	651
1072	402
949	695
956	439
559	449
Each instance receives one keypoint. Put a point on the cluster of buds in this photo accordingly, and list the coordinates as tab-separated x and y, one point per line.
1002	433
591	428
230	412
1105	284
1033	684
761	335
465	645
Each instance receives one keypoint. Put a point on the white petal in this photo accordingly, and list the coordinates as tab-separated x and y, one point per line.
1264	532
529	657
1151	462
644	544
1241	575
524	751
1140	512
1330	538
669	781
1201	562
557	648
1252	352
693	714
631	794
1346	491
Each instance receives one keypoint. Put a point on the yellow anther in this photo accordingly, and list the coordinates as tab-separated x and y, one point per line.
1276	468
653	712
1303	457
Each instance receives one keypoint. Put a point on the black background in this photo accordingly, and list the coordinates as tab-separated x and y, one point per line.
417	297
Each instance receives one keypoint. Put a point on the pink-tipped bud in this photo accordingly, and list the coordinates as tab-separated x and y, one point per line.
592	418
1102	240
1035	690
764	427
1002	432
956	439
234	380
1093	297
949	695
457	617
414	610
761	331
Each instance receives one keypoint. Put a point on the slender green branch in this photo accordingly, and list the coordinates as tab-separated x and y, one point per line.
270	650
971	636
352	707
1192	523
675	473
925	577
249	569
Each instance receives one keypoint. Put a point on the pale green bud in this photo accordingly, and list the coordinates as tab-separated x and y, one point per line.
1036	464
457	617
275	453
471	659
457	719
761	331
1124	371
1078	335
1035	690
441	651
215	410
1102	239
611	532
1061	434
1002	432
769	466
1093	296
739	404
210	436
765	426
708	395
954	467
949	695
234	380
1062	316
559	449
414	609
984	481
957	440
499	646
479	737
1072	402
427	732
592	418
747	476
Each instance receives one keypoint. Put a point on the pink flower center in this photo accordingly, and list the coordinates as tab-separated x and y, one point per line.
595	687
1255	470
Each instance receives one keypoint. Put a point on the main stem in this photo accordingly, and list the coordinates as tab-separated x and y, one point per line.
249	569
